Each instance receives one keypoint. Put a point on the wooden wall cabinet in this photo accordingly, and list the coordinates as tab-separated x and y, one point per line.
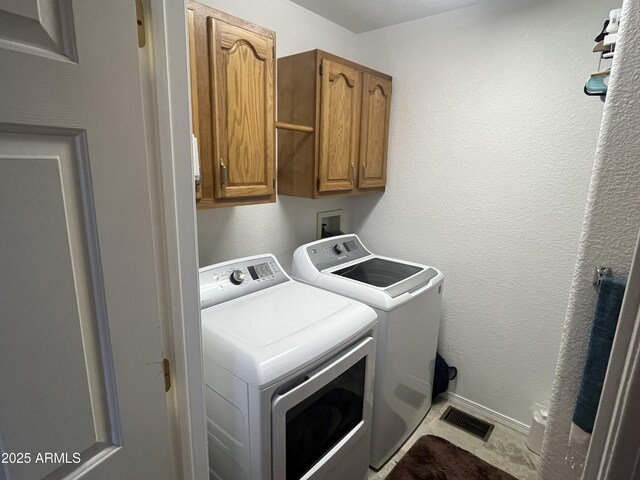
233	107
348	107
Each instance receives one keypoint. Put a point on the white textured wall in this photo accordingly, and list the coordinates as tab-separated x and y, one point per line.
278	228
491	149
609	234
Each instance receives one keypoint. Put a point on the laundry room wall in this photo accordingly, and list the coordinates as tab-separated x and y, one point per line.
491	150
279	228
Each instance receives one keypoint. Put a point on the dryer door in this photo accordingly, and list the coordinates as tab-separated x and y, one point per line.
315	422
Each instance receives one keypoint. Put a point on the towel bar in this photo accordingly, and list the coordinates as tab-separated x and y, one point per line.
599	273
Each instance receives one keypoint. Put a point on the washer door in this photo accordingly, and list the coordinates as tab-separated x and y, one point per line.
378	272
393	277
330	410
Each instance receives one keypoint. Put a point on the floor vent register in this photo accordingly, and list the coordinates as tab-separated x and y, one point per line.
468	423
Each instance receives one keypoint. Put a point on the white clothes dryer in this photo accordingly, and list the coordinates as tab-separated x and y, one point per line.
288	375
407	298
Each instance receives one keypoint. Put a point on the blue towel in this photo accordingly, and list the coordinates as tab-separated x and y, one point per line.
605	322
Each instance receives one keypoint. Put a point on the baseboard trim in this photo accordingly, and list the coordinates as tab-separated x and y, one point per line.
474	407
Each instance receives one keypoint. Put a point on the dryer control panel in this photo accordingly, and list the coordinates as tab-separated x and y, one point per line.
334	251
225	281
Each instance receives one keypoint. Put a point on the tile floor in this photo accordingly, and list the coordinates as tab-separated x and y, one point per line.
506	448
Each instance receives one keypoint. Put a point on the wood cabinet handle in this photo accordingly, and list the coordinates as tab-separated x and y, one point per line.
353	174
364	171
294	127
223	174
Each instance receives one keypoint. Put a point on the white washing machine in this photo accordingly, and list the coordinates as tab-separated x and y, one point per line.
288	375
407	297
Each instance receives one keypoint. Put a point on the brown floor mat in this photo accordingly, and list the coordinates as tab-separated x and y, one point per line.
434	458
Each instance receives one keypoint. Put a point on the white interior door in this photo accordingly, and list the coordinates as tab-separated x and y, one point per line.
81	378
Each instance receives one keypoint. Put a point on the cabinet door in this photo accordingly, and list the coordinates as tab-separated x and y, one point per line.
339	127
242	92
374	133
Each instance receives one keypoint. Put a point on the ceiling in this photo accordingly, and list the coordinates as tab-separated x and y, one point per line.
364	15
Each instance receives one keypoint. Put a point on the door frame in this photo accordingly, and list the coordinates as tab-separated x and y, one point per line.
181	329
613	451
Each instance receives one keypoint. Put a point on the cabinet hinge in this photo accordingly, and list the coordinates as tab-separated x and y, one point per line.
140	21
167	374
274	183
320	69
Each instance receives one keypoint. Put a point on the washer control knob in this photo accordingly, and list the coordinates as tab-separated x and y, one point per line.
338	248
237	277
